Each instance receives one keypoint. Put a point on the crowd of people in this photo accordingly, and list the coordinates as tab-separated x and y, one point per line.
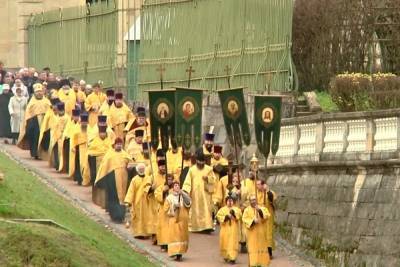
98	141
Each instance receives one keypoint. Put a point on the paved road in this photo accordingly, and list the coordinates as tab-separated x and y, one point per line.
203	249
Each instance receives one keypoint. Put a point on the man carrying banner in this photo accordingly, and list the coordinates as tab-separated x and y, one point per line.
200	185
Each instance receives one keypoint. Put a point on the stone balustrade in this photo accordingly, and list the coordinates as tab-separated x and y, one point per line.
357	136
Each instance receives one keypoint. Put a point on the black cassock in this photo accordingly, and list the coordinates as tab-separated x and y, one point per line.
5	127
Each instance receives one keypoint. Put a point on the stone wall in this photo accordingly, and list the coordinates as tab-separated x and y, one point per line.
345	215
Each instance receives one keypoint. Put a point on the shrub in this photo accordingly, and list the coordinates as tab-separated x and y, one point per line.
360	92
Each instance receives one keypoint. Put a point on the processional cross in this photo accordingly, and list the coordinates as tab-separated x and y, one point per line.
190	70
228	73
161	70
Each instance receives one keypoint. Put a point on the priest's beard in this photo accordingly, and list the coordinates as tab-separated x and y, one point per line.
118	105
200	165
209	147
110	102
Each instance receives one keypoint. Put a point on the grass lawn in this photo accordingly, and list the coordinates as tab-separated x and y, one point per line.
86	243
325	100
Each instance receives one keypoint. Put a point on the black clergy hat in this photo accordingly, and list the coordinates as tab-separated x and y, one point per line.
54	101
103	129
200	155
160	153
76	112
119	96
139	133
174	144
84	117
102	118
118	140
141	111
218	149
64	82
209	136
110	92
61	106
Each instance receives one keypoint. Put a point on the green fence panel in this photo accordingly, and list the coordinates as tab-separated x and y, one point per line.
248	42
78	41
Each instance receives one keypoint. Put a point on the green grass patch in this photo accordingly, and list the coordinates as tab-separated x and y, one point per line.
87	244
325	100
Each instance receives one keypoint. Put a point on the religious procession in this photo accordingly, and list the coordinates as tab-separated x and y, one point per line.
159	180
199	133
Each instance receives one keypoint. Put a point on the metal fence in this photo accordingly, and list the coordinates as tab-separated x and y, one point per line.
79	41
247	43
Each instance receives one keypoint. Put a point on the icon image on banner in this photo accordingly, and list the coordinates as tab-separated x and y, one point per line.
163	111
187	109
267	115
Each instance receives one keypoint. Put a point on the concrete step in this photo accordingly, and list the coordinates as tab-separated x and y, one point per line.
304	113
302	108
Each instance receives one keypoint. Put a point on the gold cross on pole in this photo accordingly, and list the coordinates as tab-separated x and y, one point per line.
161	70
228	73
190	70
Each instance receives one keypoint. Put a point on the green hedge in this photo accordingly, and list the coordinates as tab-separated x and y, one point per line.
360	92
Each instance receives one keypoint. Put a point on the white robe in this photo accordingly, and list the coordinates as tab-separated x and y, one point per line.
16	108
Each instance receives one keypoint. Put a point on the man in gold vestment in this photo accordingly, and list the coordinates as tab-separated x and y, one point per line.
255	218
30	128
177	206
79	166
137	199
200	185
93	103
67	95
229	218
97	148
113	177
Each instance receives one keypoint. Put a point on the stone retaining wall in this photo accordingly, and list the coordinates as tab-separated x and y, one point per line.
345	215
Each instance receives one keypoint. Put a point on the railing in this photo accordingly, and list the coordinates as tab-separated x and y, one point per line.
340	137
